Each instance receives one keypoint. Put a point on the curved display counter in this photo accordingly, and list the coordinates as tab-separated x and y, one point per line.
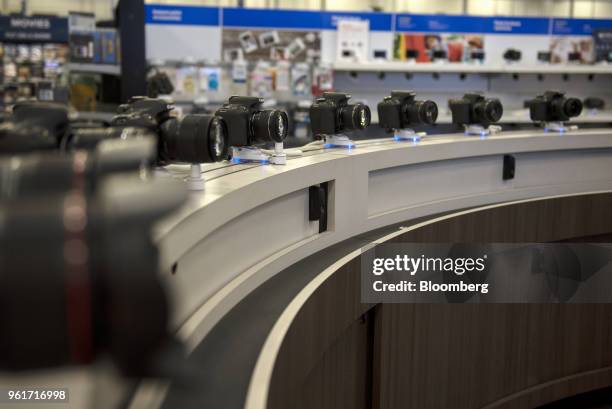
329	349
247	266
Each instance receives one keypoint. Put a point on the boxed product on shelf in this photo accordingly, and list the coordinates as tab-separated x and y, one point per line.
82	47
110	46
98	47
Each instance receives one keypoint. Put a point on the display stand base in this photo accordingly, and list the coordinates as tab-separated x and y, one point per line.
249	154
479	130
408	135
558	127
338	141
252	154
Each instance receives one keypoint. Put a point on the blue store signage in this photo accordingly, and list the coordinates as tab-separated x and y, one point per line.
316	20
378	21
33	29
423	23
261	18
182	15
578	26
298	19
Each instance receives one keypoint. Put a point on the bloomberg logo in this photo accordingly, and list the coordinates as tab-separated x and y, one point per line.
36	23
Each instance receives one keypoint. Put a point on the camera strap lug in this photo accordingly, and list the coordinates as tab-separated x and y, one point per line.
408	134
480	130
338	141
558	127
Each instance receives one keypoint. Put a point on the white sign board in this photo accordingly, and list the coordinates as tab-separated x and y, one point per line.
352	40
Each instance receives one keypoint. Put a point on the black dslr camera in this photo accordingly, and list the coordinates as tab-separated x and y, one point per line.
553	106
594	103
249	124
512	55
34	126
50	172
401	110
41	126
93	288
332	114
192	139
475	109
159	84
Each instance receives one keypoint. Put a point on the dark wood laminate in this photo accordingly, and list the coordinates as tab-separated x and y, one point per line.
317	327
452	356
343	367
469	356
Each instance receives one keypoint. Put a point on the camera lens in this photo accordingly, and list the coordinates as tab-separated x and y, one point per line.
270	125
572	107
426	112
89	138
493	110
355	116
195	139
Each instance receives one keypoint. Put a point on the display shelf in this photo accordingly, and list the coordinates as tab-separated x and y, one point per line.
94	68
450	172
466	68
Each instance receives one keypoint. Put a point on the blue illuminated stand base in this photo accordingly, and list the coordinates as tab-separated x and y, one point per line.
252	154
338	141
558	127
479	130
249	154
408	135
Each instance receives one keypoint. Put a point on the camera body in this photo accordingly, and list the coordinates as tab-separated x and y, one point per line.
145	112
332	114
248	124
195	138
43	126
112	227
512	55
594	103
438	55
402	110
159	84
34	126
412	54
544	56
475	109
477	55
553	106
